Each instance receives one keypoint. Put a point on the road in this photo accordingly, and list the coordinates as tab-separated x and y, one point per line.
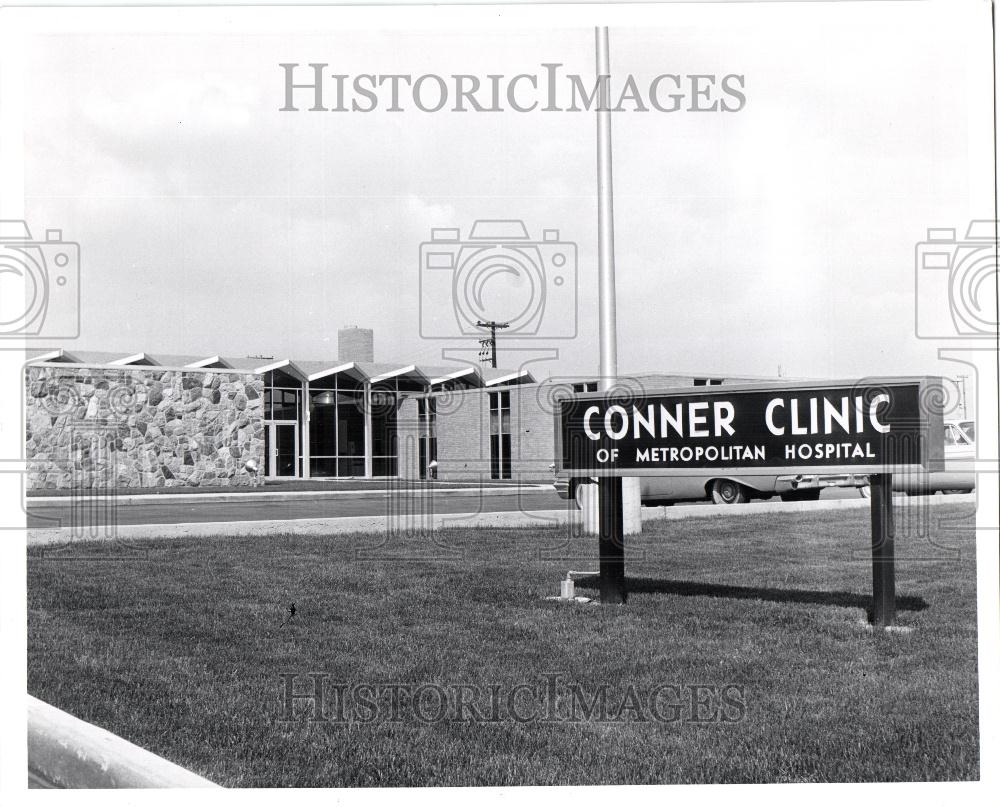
59	514
99	511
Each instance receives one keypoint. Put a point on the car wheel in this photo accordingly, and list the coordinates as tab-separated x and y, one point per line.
726	491
865	491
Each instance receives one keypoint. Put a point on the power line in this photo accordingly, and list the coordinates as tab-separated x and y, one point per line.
488	346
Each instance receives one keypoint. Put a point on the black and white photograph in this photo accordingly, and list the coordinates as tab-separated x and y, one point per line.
409	398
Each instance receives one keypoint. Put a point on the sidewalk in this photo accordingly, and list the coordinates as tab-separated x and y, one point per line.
305	490
298	486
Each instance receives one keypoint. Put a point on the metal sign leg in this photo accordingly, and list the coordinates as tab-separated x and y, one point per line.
883	552
611	541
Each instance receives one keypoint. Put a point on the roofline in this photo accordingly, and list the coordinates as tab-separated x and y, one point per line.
58	365
282	364
409	369
340	368
509	377
458	374
52	355
686	374
209	360
135	358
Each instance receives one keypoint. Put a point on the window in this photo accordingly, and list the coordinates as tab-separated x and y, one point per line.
282	424
385	402
337	429
586	386
282	396
500	435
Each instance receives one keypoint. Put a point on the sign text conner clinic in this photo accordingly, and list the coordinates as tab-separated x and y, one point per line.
872	425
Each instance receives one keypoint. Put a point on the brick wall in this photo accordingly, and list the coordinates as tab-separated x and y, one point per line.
463	434
464	425
407	433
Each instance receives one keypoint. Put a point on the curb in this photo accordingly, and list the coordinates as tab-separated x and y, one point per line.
66	752
698	511
284	495
722	510
417	522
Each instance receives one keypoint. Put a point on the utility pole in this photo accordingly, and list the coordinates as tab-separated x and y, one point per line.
489	346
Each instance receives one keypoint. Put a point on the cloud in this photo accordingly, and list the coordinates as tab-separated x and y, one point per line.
210	221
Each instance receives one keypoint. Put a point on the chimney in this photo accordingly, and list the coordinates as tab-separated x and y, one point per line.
356	344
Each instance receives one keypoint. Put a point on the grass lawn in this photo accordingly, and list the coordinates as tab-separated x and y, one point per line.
750	630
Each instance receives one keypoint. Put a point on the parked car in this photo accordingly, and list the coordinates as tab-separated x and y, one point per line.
958	475
656	490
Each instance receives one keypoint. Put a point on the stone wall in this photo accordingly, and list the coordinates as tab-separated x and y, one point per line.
142	427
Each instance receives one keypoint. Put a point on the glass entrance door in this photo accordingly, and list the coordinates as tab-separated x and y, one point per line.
281	447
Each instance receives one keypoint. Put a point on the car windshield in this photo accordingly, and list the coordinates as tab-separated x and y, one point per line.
969	427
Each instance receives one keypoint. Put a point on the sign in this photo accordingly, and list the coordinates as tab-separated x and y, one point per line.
869	426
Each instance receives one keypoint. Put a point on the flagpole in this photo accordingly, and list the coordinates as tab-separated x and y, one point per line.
611	533
605	219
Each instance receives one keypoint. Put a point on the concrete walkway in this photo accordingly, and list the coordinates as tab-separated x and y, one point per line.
264	495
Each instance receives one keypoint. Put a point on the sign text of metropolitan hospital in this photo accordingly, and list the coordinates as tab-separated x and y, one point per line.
875	426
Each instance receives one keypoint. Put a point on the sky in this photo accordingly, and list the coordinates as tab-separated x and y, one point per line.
779	236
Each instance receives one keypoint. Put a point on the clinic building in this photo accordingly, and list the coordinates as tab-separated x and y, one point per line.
108	420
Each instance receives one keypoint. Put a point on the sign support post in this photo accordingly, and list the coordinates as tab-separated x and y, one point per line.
883	552
875	427
611	541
